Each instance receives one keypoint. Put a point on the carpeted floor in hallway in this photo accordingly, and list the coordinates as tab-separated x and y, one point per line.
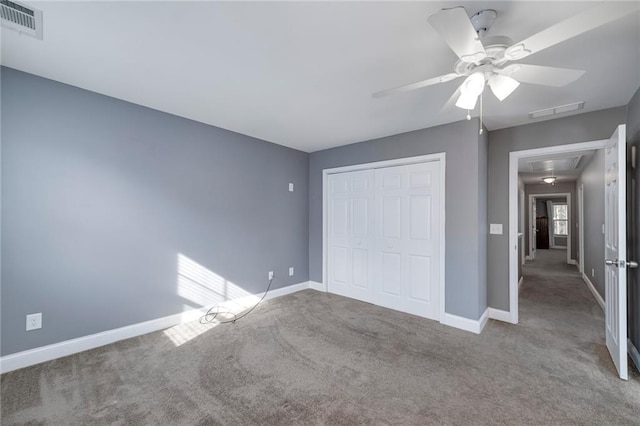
315	358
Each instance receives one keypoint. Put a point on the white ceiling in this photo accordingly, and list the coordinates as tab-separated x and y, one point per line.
567	167
302	74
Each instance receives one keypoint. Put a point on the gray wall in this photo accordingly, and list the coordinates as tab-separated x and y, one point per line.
465	190
592	179
633	212
578	128
542	188
483	227
100	196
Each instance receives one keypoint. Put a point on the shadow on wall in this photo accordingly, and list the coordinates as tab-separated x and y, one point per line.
203	288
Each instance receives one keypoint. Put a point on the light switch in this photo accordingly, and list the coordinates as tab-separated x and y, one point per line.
495	228
290	187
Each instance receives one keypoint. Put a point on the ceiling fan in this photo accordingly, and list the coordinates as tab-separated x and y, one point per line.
485	60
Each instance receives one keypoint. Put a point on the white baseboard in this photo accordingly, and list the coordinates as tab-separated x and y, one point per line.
520	282
474	326
528	257
634	354
572	262
314	285
69	347
596	295
500	315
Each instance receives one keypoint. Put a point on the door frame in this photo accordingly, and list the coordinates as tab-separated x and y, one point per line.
580	194
441	157
566	196
514	156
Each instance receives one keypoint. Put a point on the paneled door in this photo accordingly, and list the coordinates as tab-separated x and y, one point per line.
350	239
407	222
615	234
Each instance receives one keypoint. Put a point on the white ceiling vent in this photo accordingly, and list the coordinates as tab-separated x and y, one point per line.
21	18
555	164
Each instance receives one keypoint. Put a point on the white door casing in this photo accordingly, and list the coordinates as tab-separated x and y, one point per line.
407	239
581	228
514	156
615	220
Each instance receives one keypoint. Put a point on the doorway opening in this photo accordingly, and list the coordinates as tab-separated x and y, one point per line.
608	255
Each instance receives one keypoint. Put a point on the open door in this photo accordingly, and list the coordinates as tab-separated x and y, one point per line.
615	220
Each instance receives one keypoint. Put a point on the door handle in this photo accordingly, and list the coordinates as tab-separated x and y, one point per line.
632	264
611	262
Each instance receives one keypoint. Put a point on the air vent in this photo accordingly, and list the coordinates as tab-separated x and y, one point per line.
21	18
556	110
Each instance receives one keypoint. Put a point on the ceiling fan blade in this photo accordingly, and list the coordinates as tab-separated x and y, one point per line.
416	85
450	104
569	28
456	29
546	76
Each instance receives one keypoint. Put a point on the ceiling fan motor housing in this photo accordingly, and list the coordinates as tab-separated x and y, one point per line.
483	20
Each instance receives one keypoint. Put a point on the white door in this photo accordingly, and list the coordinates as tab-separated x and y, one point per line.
351	242
615	221
408	238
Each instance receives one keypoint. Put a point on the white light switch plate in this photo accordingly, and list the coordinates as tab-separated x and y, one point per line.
495	228
291	271
290	187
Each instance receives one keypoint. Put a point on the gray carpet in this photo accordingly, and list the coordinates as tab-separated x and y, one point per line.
313	358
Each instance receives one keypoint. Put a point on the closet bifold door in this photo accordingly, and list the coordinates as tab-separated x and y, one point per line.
350	239
407	245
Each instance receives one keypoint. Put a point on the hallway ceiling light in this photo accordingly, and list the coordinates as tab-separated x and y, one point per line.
549	179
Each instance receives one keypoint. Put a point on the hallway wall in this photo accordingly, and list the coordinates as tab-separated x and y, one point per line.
593	180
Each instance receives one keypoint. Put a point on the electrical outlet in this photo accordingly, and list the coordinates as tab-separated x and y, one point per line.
271	275
34	321
593	272
291	271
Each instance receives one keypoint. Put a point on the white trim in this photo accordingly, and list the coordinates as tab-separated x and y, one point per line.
500	315
314	285
520	283
581	228
474	326
441	157
634	354
596	295
514	156
528	258
69	347
573	262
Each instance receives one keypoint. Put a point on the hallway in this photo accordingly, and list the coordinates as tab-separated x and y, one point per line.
554	298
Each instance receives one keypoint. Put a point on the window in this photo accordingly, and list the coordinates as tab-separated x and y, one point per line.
560	219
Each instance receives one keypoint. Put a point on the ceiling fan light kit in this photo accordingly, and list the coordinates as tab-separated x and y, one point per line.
502	86
483	60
